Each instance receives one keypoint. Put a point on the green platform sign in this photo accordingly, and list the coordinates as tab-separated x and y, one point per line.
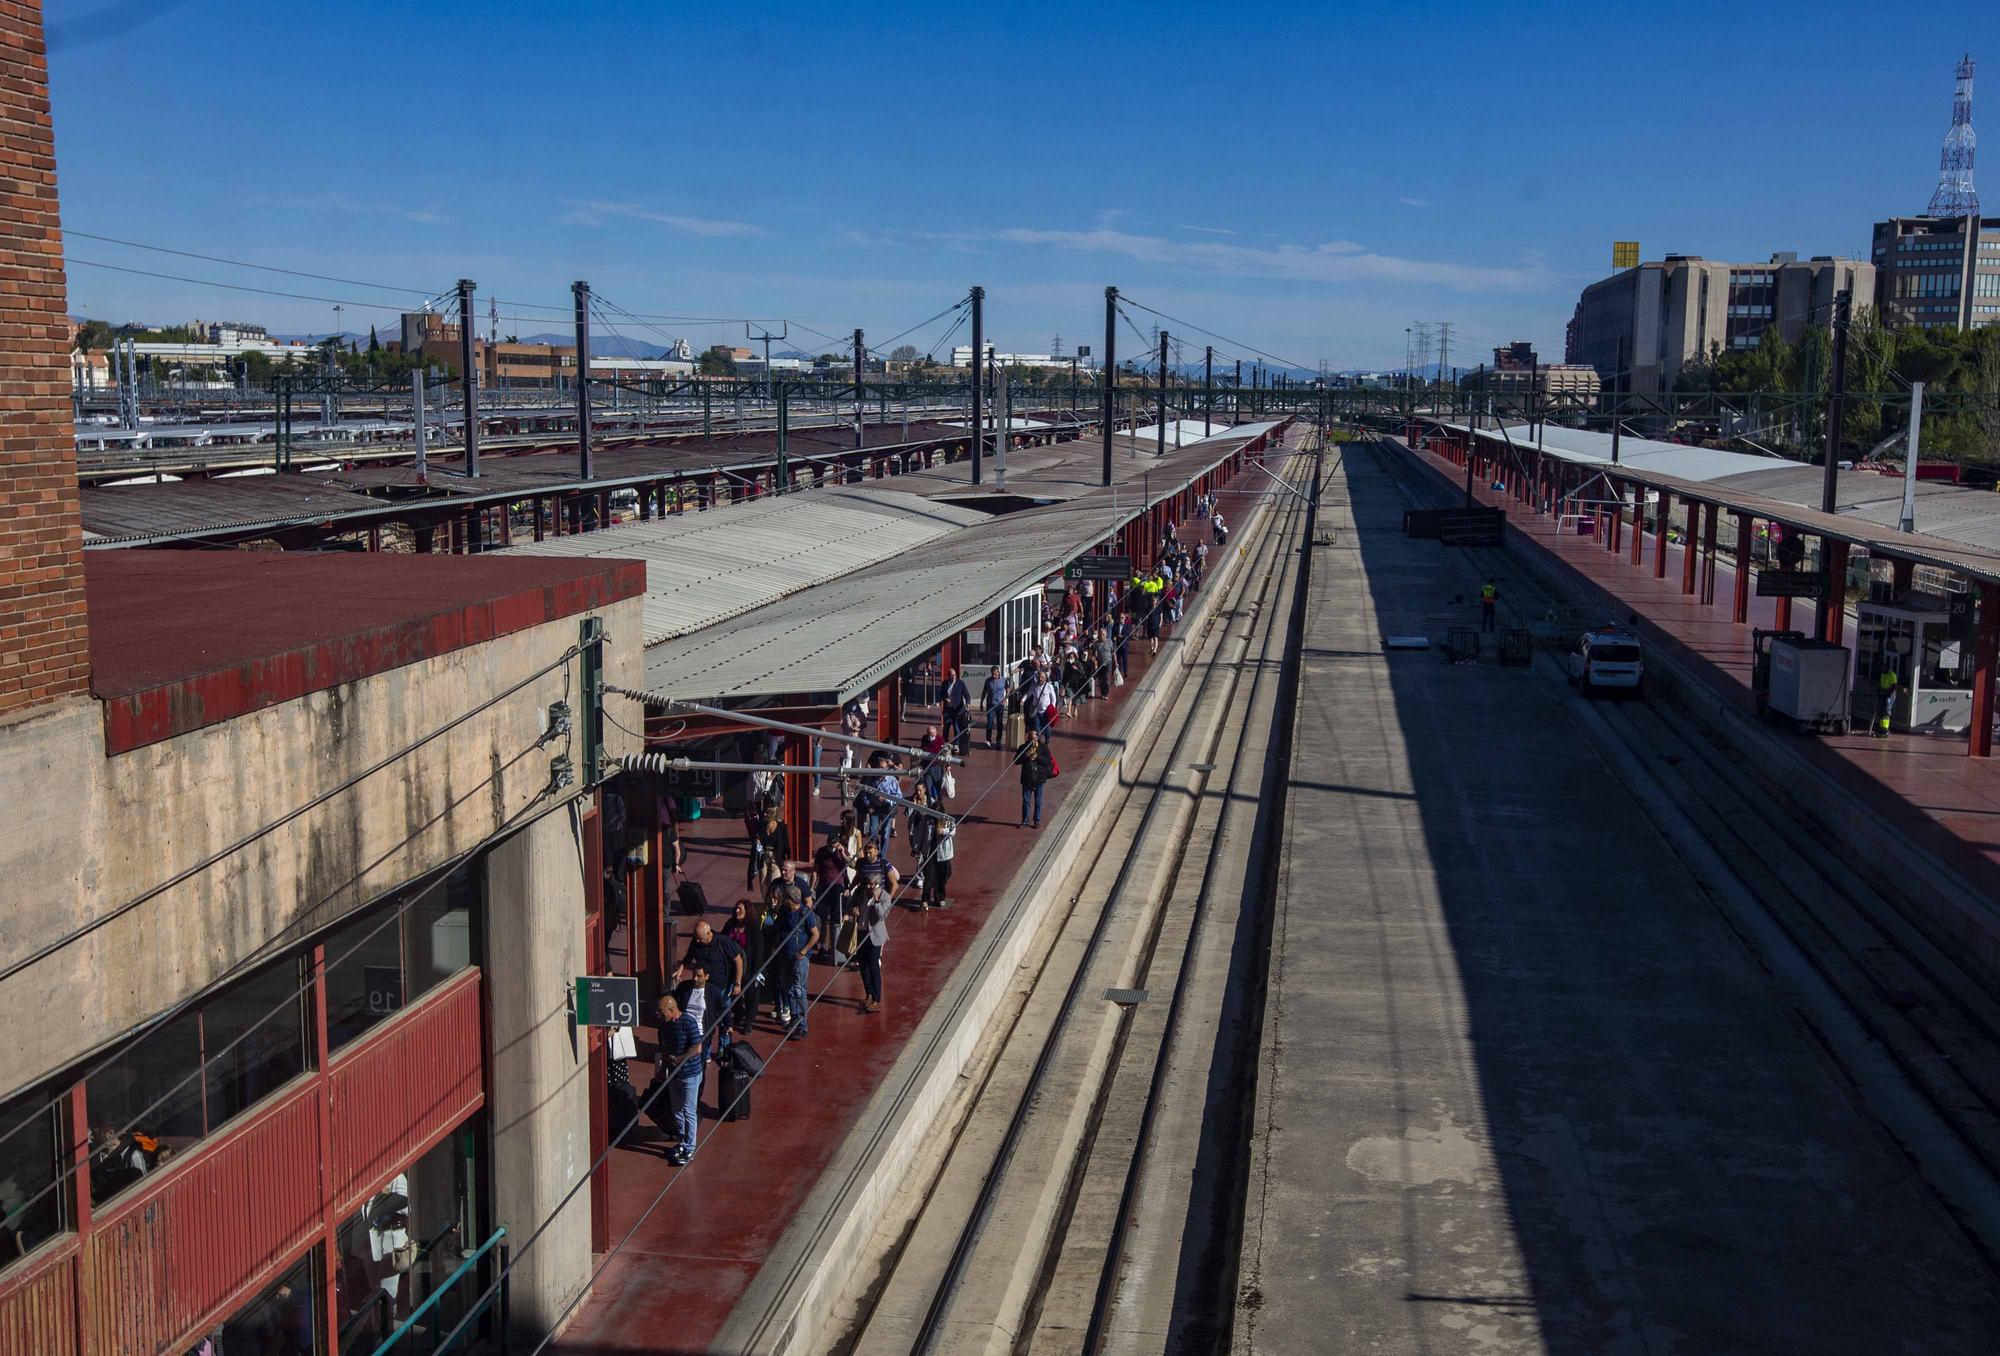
607	1000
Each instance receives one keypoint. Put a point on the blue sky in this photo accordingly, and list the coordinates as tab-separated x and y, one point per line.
1306	181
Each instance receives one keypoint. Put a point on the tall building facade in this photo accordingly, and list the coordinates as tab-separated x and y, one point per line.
1938	273
1652	320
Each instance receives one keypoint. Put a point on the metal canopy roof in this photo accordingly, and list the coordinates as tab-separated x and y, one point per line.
1962	526
840	638
702	568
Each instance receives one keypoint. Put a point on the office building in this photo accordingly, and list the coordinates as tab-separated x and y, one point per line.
1935	273
1657	317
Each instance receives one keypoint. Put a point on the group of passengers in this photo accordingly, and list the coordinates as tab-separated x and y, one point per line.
833	905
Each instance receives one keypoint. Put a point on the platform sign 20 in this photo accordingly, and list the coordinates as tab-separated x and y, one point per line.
607	1000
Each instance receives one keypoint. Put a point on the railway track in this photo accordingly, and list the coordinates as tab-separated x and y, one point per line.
1055	1214
1851	955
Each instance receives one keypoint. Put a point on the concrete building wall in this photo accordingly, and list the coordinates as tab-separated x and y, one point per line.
538	1104
85	833
1678	309
44	650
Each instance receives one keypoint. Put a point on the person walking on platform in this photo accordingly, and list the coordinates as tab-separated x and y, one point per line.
957	704
1153	591
1885	699
937	870
746	932
800	936
1121	634
1104	659
1038	765
874	936
679	1060
993	700
1489	595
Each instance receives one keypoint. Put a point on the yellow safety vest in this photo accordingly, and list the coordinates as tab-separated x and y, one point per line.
1886	681
1487	593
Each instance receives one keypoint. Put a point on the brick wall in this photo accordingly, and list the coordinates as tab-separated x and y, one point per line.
44	651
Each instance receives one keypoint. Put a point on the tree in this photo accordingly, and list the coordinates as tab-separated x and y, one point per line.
905	353
374	344
717	362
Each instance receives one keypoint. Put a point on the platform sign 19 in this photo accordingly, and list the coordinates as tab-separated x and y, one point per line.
384	984
1099	567
607	1000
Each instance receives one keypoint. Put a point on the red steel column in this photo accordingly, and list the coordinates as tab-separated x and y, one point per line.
1687	545
1833	607
1708	555
799	796
889	709
1985	657
1638	523
1664	517
1739	609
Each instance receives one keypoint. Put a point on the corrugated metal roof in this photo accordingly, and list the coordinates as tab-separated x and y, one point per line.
703	568
1958	529
837	639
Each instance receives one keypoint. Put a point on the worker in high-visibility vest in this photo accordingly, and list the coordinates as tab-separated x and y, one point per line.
1489	595
1885	700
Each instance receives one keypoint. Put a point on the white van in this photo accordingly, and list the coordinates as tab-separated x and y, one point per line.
1609	657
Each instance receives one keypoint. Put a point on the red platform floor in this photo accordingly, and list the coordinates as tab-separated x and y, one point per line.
696	1249
1926	786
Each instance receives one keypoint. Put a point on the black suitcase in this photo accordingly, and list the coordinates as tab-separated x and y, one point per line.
693	899
739	1067
964	740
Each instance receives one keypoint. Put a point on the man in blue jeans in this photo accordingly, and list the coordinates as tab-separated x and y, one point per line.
680	1061
994	698
801	936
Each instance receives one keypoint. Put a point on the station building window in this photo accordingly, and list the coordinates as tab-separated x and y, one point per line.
184	1081
407	1240
34	1197
283	1321
383	961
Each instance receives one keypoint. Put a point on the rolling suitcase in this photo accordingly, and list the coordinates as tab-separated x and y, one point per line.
693	899
739	1069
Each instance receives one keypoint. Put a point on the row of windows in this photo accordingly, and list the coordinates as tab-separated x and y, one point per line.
185	1080
1930	246
1752	312
1927	284
1986	285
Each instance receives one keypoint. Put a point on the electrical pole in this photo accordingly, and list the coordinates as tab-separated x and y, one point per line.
1908	522
469	376
765	337
1617	403
860	358
1236	395
1110	373
417	425
1161	432
1472	442
978	366
1444	350
1833	591
1208	392
581	292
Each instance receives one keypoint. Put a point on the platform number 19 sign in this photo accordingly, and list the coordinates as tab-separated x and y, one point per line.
607	1000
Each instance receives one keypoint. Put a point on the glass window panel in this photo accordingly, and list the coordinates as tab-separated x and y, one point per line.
439	929
364	976
255	1040
280	1322
145	1105
403	1242
34	1204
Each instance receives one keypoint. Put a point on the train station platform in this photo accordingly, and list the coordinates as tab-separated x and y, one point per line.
1523	1087
1921	792
688	1243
